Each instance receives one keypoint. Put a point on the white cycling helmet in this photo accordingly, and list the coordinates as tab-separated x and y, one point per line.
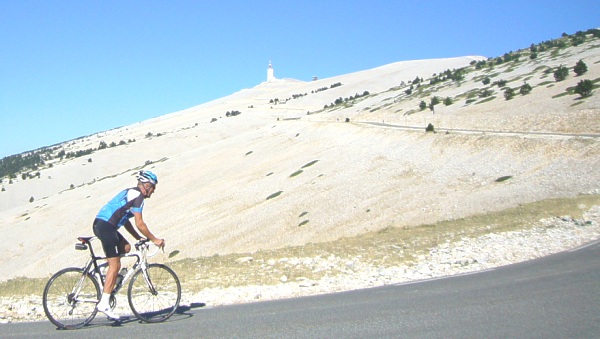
147	176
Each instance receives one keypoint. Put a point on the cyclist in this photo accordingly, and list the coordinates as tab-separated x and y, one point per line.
116	213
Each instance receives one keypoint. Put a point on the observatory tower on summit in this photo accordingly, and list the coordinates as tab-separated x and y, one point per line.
270	76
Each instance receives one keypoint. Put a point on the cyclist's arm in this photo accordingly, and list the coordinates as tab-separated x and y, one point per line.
141	225
129	227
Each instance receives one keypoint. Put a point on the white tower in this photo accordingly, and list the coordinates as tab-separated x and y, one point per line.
270	76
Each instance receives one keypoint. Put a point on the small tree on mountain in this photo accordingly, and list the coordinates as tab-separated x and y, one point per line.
584	88
525	89
500	83
509	93
578	38
485	93
561	73
533	48
580	67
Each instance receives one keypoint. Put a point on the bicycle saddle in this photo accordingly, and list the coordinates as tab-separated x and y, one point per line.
85	240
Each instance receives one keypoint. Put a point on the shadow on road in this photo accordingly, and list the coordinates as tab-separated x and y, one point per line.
182	312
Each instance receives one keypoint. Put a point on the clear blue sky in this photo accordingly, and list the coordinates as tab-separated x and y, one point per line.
73	68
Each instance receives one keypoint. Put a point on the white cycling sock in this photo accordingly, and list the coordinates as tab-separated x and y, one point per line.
104	299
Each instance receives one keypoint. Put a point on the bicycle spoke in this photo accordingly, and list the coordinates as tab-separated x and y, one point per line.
70	298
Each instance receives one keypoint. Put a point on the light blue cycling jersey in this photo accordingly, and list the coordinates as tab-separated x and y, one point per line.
120	208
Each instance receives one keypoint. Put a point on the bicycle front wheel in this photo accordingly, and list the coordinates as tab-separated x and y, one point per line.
70	298
154	294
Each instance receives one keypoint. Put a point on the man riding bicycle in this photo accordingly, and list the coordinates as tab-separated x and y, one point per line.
116	213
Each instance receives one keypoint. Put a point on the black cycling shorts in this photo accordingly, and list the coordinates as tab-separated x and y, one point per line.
109	236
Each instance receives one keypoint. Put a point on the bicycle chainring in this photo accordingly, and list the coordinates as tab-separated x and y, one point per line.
112	302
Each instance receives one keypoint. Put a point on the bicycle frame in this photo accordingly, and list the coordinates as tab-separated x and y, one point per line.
93	268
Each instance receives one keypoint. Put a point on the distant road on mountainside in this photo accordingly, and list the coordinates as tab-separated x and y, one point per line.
472	131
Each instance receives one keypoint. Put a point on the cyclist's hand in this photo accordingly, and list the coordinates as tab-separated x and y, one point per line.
159	242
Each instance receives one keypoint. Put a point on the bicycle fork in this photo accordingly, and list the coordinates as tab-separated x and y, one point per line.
148	280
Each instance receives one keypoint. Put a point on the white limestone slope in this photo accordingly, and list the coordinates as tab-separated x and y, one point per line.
216	177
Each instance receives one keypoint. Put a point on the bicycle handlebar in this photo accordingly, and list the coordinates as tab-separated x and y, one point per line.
84	241
146	243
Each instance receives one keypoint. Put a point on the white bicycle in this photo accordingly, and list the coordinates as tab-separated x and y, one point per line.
71	294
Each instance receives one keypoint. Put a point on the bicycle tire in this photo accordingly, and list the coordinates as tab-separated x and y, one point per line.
64	309
159	306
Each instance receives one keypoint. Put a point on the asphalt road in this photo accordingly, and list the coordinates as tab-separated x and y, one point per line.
553	297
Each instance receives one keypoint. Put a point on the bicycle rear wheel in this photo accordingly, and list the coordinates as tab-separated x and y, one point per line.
154	297
70	298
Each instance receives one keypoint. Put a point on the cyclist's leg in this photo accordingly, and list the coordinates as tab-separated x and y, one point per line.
114	265
124	245
111	240
113	244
